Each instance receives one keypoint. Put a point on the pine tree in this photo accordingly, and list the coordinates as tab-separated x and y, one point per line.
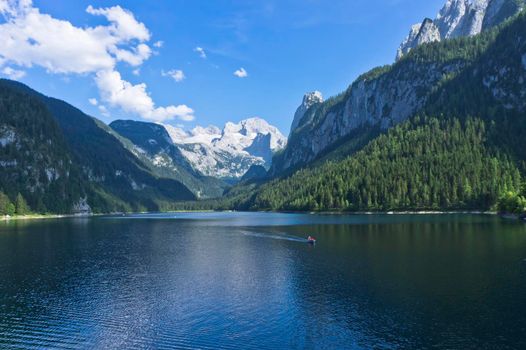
5	204
21	205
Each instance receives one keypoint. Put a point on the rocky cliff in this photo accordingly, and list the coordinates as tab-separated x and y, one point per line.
389	95
460	18
309	100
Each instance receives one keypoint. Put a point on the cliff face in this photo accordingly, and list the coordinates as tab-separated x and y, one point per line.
426	32
382	98
460	18
389	95
309	100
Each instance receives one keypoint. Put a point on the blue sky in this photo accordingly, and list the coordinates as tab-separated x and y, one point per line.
287	48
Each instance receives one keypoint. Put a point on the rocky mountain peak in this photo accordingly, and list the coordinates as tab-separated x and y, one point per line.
309	100
459	18
229	152
425	32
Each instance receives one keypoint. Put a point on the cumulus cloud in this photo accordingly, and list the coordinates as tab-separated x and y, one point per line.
241	73
175	74
135	99
30	38
201	52
13	73
123	23
93	101
158	44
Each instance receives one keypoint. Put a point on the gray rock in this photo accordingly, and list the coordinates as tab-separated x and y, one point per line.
309	100
81	207
461	18
426	32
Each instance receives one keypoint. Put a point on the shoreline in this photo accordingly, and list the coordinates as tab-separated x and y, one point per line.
407	212
507	216
7	218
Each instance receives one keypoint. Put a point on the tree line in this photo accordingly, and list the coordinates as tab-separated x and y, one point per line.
17	207
424	164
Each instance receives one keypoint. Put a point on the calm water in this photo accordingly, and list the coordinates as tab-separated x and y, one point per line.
249	281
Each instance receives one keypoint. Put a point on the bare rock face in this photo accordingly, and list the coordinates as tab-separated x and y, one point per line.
380	101
460	18
81	207
387	96
309	100
427	32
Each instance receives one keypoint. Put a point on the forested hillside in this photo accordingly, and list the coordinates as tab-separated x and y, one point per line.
75	156
35	160
424	164
490	64
466	150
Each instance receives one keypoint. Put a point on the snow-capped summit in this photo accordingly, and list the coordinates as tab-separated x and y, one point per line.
230	152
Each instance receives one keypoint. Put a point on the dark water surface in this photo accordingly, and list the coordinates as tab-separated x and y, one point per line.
249	281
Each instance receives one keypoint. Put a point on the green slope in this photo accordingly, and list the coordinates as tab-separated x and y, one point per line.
468	154
423	164
35	159
117	180
151	143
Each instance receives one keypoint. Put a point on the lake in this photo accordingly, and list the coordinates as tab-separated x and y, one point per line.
250	281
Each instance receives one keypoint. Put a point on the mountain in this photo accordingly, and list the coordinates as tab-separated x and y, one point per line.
151	143
460	18
114	179
256	172
35	159
382	98
230	152
444	128
422	164
309	100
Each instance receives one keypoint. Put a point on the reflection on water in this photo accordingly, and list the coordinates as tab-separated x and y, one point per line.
247	281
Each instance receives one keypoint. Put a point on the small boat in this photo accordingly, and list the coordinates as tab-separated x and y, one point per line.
311	240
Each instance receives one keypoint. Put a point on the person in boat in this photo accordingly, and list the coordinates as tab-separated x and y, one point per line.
311	239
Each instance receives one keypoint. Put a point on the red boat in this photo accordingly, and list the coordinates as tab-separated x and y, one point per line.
311	240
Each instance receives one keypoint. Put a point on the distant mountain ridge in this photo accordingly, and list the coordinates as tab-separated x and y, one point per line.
152	143
229	153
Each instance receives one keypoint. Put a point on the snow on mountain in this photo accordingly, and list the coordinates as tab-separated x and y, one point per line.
230	152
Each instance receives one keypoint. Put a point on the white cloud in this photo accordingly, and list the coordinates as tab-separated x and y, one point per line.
201	52
135	56
135	99
93	101
175	74
30	38
158	44
136	72
13	73
241	73
104	111
123	23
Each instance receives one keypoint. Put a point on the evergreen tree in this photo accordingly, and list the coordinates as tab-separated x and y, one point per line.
21	205
5	204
